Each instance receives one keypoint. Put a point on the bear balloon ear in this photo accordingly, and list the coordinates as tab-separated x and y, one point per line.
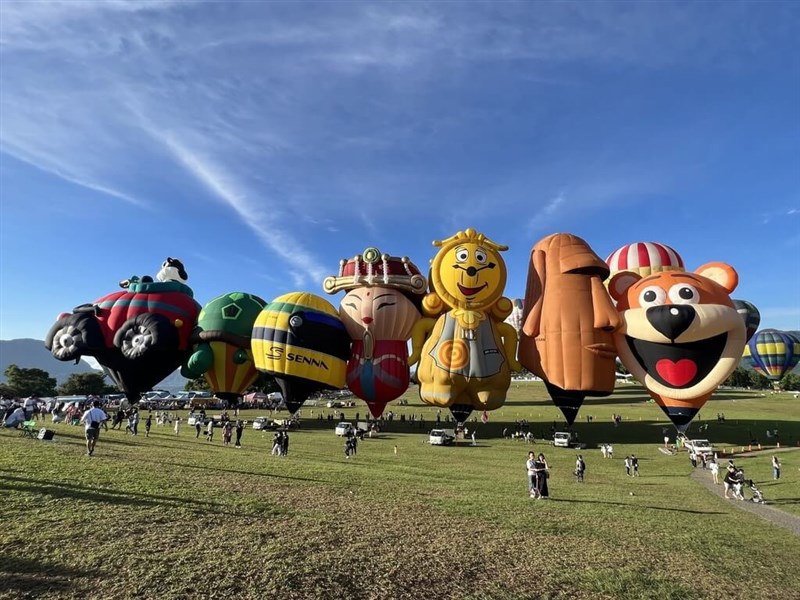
721	273
620	282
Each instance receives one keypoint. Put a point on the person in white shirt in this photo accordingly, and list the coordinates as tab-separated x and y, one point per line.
92	419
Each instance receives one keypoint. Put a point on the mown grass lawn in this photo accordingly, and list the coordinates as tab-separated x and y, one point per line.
177	517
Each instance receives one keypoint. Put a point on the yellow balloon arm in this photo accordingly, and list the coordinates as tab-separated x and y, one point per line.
419	334
509	335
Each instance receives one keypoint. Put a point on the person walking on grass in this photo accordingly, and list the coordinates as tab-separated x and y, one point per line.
198	426
210	431
628	466
178	426
227	431
239	431
714	466
580	468
147	425
530	466
542	475
776	467
92	419
635	465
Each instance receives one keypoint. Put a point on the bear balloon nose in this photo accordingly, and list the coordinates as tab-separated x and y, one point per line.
471	271
671	320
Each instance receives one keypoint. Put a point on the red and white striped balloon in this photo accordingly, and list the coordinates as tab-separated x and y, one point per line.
645	258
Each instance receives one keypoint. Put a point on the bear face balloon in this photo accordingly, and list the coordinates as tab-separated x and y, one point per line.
682	335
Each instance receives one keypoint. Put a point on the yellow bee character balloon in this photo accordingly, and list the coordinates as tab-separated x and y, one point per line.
465	351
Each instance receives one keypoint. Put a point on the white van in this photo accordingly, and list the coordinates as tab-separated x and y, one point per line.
343	428
442	437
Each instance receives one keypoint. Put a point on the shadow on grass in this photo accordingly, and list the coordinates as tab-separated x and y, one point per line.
62	490
217	469
663	508
29	578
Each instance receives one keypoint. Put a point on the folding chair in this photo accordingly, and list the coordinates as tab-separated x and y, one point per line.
30	429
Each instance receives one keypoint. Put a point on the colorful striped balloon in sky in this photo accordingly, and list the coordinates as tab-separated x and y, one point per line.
644	258
772	353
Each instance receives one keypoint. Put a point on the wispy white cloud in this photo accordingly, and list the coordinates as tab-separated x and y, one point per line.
283	111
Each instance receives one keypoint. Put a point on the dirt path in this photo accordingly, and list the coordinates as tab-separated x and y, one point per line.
773	515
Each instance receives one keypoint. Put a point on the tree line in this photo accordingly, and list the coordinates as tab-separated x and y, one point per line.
22	383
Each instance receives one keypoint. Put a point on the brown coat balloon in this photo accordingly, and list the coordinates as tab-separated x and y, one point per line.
568	322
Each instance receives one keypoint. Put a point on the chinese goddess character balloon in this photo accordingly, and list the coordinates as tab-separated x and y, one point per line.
380	308
465	351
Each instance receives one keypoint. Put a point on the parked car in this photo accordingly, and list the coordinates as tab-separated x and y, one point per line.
335	404
194	418
344	428
566	439
262	423
442	437
699	446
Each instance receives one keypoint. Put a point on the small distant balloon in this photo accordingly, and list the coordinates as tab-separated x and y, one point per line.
750	314
515	318
773	353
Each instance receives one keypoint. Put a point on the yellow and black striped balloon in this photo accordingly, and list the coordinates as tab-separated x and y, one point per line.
300	335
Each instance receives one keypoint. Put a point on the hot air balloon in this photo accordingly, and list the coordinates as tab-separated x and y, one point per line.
465	351
773	353
515	318
750	315
301	341
682	336
380	308
644	258
569	321
138	335
222	345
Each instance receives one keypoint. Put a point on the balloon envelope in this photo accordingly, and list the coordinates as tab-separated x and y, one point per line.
138	335
300	340
750	314
773	353
222	344
644	258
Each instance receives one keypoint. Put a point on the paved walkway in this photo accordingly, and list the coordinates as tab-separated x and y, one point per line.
773	515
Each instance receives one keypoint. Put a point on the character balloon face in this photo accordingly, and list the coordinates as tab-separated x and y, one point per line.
569	322
683	336
468	271
385	312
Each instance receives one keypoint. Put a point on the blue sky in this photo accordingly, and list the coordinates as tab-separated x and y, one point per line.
262	142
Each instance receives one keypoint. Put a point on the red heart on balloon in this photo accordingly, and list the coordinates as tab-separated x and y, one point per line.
676	373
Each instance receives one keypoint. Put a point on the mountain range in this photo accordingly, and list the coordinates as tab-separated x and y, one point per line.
28	353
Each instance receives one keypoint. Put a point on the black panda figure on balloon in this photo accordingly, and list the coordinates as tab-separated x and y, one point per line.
172	269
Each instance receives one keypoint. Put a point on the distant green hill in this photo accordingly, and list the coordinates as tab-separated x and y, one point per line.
29	354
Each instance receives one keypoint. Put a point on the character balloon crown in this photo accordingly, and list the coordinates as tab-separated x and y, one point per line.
470	235
375	269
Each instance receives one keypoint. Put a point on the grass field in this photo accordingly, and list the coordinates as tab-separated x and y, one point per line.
176	517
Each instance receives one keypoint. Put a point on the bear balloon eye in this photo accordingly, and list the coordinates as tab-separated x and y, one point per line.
652	296
683	293
480	255
462	254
